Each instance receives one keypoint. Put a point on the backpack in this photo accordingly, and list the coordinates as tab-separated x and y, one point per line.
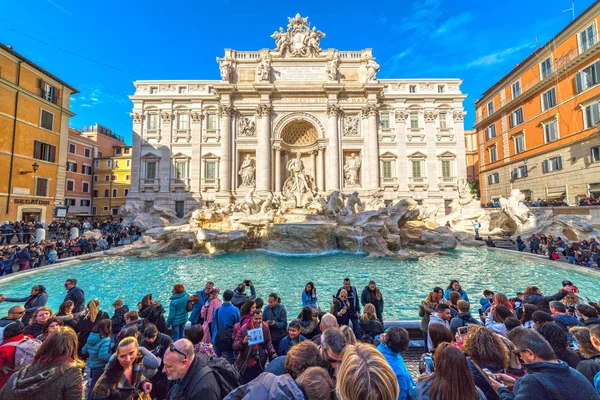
227	377
332	307
224	338
25	350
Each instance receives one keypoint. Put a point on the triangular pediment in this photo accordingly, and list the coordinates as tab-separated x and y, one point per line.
150	156
388	154
447	154
210	155
417	154
180	155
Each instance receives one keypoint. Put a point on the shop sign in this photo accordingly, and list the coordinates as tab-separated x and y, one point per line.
32	201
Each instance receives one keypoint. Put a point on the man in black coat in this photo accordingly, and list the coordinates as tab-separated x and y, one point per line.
118	318
75	294
193	378
546	376
354	304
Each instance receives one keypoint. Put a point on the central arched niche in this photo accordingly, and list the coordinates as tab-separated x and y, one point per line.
299	133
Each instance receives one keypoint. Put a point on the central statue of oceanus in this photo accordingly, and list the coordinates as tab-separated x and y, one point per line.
299	186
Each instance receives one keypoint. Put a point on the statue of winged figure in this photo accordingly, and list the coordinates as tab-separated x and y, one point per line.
282	40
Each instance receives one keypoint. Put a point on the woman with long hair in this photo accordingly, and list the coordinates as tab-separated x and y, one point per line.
123	377
309	324
557	338
365	374
153	313
207	313
50	326
246	311
368	325
309	296
439	334
372	294
500	299
527	317
54	373
97	349
514	367
484	349
65	312
341	308
349	336
36	325
451	380
37	298
454	286
90	318
426	308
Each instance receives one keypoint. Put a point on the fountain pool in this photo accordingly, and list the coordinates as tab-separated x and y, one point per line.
403	283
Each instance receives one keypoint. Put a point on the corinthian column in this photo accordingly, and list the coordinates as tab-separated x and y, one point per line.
277	169
370	112
225	114
333	149
321	170
263	150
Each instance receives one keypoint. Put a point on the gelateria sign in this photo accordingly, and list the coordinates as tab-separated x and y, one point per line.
32	201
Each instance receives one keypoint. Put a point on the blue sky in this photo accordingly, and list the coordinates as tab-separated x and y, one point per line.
101	47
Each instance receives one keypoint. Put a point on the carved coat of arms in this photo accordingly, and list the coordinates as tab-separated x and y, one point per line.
299	40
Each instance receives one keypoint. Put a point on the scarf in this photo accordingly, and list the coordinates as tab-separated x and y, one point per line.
253	350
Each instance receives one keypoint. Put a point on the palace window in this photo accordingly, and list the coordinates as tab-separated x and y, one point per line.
387	168
416	169
546	67
587	38
490	108
70	185
519	172
592	115
180	169
115	193
95	178
41	186
96	164
153	121
446	168
72	148
108	163
128	163
548	99
182	121
84	203
414	120
182	89
493	153
552	164
412	89
150	169
95	193
211	122
44	151
106	192
493	178
516	117
443	120
71	166
125	192
49	93
86	169
153	90
551	131
384	120
87	153
588	77
107	178
516	89
441	88
595	153
85	187
116	163
211	170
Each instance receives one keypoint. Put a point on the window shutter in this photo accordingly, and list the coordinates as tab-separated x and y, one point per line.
489	179
37	150
74	167
559	162
515	173
42	187
545	166
525	171
579	82
52	154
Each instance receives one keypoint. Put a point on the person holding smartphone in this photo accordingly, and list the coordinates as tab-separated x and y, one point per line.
341	308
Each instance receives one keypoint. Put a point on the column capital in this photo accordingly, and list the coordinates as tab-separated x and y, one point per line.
263	110
322	148
312	152
333	110
277	147
226	110
430	115
137	117
459	115
370	110
196	117
167	116
401	115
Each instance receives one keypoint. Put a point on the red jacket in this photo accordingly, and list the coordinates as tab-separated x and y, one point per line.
7	358
265	350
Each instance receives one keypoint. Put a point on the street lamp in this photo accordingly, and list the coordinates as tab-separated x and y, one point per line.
34	166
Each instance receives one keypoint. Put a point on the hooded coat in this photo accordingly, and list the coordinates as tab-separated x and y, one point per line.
178	314
268	386
39	383
113	385
542	302
98	350
118	319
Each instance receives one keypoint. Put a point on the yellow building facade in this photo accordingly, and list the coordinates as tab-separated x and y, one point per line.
112	179
34	134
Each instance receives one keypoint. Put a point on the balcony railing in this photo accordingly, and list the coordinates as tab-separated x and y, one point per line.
181	134
415	134
210	183
180	184
417	182
150	184
445	135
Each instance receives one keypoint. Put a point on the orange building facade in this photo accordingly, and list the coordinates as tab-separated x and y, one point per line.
34	133
80	161
537	128
472	153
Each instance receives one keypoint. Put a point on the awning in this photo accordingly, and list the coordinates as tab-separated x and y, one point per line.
556	190
594	187
555	195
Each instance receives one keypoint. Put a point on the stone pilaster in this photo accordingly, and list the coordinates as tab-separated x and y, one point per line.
136	154
225	114
402	165
333	150
164	173
432	160
370	112
196	142
459	135
277	169
263	153
321	170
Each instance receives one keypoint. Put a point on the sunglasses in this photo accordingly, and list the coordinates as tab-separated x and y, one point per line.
172	348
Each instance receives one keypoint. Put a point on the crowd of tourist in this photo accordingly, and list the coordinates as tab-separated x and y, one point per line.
584	252
584	201
214	344
32	249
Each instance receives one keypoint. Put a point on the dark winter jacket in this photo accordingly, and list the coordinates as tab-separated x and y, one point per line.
353	299
155	315
159	346
566	321
589	368
34	330
279	315
541	302
369	296
198	383
39	383
546	380
113	385
338	305
118	319
268	386
31	304
462	319
76	295
85	326
286	344
368	330
240	298
592	321
481	382
309	329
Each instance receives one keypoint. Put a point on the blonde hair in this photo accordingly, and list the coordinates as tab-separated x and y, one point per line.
369	312
348	335
126	342
92	307
37	310
365	374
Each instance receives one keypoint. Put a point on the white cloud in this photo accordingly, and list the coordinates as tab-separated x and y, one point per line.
495	58
453	23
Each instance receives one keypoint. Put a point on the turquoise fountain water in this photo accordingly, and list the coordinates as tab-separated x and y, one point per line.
403	283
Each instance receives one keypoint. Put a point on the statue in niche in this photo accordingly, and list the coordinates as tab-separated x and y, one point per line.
372	70
332	66
247	171
296	169
351	170
263	70
352	201
298	187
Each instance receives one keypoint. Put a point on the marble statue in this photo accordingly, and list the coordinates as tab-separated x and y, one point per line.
225	68
351	170
372	70
247	171
352	201
263	70
332	66
298	187
376	202
296	169
282	40
267	205
334	203
247	127
313	41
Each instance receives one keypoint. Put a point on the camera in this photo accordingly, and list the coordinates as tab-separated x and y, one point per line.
246	282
